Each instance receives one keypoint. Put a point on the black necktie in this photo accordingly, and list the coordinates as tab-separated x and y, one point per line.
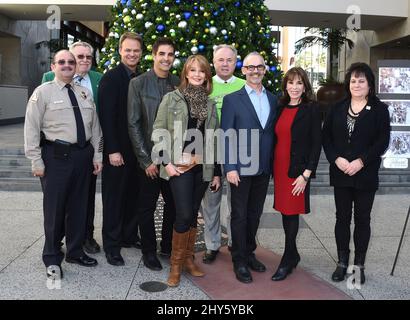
78	118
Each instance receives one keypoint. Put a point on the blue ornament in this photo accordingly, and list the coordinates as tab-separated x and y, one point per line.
161	1
195	7
201	47
222	9
207	24
215	13
160	27
107	63
239	64
123	2
273	68
226	37
129	3
237	4
187	15
177	1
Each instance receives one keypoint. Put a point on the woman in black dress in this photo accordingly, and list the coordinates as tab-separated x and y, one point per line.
297	150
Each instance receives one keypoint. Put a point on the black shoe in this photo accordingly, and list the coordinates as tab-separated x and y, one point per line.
84	261
114	259
340	273
54	272
151	261
256	265
91	246
282	273
243	274
362	275
209	256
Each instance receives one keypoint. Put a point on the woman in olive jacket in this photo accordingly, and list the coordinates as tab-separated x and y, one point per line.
183	112
356	134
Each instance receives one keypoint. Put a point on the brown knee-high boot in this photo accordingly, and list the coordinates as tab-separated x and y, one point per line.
179	245
189	264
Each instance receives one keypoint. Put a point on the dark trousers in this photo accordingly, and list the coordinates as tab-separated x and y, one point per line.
65	187
362	201
89	232
120	187
147	204
247	206
129	233
188	189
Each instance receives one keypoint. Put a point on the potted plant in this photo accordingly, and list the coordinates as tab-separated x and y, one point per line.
333	39
329	92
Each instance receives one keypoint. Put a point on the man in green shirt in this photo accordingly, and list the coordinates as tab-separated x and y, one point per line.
83	53
224	82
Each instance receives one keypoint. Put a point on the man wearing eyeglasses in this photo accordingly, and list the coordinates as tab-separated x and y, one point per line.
250	112
63	140
83	53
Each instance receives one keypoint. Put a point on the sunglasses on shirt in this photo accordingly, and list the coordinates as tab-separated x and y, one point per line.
63	62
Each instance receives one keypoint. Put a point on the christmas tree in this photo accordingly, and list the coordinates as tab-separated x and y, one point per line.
196	26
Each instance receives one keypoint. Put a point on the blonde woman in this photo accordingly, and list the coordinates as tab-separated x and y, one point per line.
187	112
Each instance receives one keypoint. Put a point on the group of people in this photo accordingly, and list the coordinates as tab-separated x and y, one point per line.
149	135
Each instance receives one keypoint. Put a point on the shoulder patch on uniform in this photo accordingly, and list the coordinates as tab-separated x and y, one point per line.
34	96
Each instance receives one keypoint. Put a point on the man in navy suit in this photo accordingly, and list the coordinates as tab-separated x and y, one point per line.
248	121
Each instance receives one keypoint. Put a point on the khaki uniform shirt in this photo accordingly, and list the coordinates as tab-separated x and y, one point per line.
49	110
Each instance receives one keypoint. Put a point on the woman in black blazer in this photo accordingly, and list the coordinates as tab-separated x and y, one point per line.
297	150
356	133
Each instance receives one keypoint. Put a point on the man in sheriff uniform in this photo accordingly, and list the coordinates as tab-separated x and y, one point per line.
63	140
84	76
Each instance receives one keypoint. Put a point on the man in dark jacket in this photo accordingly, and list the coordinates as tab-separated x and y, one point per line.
120	178
250	112
144	96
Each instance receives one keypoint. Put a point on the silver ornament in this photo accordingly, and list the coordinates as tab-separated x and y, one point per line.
194	50
182	24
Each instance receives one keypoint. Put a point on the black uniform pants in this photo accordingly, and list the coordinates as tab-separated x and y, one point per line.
362	201
65	188
120	187
147	204
247	202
